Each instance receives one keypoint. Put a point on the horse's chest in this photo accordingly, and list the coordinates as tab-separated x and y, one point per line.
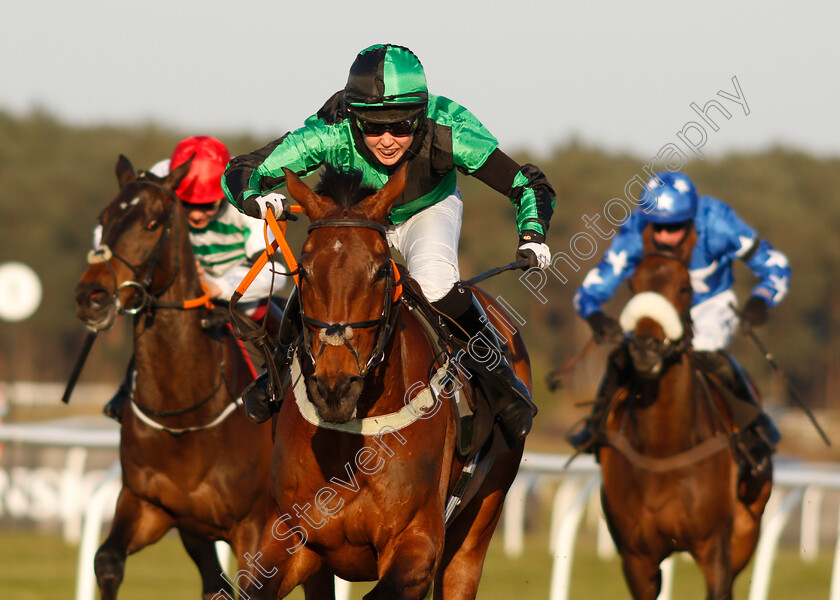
671	507
372	496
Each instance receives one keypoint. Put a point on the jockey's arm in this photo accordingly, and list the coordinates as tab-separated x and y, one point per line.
261	171
770	266
527	188
241	178
618	263
772	269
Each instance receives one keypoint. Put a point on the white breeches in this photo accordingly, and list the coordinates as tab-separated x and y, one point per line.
715	321
429	243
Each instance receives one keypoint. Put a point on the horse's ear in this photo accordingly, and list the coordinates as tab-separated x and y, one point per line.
685	249
173	180
315	206
647	240
378	206
125	172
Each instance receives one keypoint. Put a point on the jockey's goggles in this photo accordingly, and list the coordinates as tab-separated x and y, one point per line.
202	206
397	128
670	227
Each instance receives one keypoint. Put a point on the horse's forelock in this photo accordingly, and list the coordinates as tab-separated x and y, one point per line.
344	187
121	211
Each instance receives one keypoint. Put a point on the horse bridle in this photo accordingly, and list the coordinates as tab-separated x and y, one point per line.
338	334
103	254
671	348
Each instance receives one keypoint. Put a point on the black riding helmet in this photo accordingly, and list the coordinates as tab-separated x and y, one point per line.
387	84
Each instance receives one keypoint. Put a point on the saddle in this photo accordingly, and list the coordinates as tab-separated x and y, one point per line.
750	449
468	392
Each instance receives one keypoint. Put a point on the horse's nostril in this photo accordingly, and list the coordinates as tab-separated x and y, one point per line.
99	299
345	385
323	389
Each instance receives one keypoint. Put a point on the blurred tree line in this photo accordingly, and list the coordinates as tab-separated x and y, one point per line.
55	179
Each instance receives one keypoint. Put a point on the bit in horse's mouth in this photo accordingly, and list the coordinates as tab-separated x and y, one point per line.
103	323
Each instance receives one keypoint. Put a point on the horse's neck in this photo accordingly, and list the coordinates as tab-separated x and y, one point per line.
674	416
170	344
408	357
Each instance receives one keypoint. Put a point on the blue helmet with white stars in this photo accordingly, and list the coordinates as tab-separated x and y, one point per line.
673	197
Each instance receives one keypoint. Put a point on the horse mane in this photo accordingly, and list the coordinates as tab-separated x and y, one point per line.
345	187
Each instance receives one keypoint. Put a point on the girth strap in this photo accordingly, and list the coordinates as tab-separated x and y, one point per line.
707	448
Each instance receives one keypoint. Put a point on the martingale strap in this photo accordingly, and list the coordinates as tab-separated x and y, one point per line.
717	443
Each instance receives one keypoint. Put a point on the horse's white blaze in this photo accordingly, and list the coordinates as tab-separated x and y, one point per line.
133	202
653	306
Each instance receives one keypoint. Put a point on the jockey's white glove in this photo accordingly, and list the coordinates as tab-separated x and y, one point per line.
532	248
258	206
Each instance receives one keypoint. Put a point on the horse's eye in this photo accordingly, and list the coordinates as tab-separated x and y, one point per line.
152	225
382	273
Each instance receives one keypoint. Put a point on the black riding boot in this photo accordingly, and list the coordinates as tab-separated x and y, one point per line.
513	405
760	435
263	396
116	405
587	439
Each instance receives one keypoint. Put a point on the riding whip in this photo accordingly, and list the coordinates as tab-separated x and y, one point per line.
80	362
769	357
519	264
554	378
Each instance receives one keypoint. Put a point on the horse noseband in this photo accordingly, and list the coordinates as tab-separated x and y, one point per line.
336	334
99	255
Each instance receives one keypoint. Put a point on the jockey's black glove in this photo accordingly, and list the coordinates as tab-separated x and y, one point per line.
755	312
604	328
532	247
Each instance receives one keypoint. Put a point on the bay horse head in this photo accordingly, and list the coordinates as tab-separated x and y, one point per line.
346	284
658	316
133	260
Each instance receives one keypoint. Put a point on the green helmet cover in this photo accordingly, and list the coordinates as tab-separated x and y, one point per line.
385	76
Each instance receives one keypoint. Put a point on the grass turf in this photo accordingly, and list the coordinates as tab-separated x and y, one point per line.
43	567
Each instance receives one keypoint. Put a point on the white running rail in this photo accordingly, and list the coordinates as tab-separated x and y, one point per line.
86	501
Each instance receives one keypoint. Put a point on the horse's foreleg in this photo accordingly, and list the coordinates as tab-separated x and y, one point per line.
642	575
203	553
407	568
136	525
713	558
467	540
282	563
747	527
321	586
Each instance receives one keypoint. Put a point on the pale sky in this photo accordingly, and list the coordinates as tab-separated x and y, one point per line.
619	75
